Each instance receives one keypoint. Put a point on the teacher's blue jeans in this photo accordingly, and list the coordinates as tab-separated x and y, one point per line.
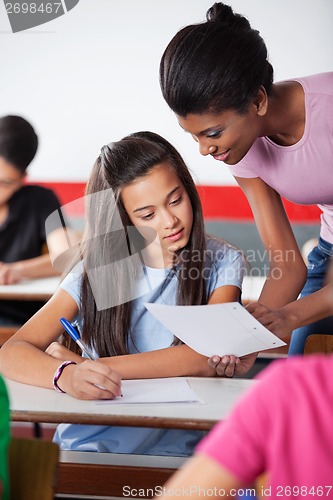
318	262
4	321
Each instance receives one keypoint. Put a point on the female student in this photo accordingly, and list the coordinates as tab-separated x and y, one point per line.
277	140
23	211
144	242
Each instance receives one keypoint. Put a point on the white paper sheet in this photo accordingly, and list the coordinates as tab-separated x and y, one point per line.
216	329
160	390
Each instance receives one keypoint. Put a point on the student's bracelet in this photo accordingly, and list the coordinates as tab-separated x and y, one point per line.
58	373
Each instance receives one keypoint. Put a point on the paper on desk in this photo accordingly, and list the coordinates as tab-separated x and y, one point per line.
159	390
216	329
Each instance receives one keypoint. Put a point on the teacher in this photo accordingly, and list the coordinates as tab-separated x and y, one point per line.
277	140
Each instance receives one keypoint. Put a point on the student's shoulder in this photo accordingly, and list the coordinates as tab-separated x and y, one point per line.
37	198
219	247
36	195
76	270
73	275
33	190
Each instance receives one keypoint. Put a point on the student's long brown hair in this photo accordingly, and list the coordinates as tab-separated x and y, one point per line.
109	239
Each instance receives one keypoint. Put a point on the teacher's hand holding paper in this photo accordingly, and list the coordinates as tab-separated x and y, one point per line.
277	321
216	331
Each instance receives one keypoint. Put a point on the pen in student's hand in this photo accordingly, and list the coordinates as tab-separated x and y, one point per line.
74	334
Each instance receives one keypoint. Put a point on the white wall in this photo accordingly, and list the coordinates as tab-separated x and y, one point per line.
91	76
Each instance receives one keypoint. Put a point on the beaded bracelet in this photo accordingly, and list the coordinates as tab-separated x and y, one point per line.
58	373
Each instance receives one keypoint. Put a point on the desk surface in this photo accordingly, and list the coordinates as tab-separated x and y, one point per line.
43	288
35	404
38	289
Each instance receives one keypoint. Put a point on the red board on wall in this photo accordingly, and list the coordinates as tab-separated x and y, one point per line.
219	202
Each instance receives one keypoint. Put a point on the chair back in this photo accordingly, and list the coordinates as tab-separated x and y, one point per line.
6	332
33	465
318	342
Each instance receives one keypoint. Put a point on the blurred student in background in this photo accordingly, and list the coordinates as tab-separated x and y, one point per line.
23	211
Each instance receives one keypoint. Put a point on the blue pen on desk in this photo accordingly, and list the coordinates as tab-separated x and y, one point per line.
74	334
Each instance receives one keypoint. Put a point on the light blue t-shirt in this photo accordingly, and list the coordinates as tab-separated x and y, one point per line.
224	265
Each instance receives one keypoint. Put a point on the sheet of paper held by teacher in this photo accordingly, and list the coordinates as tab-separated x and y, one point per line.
216	329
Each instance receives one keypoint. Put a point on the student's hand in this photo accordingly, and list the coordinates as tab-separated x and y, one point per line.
90	380
228	366
58	351
10	273
276	321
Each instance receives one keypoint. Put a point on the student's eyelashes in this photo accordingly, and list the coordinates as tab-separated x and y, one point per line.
175	202
147	216
150	215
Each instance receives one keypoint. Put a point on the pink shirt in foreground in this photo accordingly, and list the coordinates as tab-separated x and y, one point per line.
284	427
302	173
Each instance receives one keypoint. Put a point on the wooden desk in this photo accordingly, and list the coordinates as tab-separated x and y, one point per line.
35	404
38	289
106	474
43	289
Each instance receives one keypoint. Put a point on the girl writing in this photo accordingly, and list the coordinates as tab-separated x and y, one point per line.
144	242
